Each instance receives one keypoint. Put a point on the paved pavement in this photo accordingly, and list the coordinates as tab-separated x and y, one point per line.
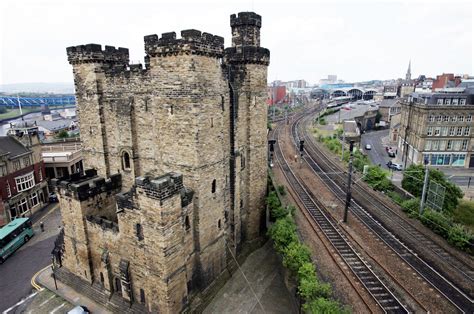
16	272
69	296
261	290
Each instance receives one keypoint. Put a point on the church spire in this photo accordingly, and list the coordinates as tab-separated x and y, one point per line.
408	75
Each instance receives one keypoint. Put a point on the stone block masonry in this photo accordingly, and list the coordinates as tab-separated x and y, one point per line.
181	142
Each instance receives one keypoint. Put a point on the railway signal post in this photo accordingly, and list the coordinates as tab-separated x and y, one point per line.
349	180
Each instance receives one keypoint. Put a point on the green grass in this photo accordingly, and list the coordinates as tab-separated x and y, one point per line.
464	214
12	113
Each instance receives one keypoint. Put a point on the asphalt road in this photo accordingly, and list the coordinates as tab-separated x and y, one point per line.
377	154
16	272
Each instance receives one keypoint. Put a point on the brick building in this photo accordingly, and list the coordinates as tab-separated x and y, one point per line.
438	127
181	142
23	188
445	80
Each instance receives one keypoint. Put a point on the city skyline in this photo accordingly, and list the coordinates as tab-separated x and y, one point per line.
356	41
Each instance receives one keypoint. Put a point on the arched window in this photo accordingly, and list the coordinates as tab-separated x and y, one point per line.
213	189
139	231
186	223
125	161
142	296
219	223
102	278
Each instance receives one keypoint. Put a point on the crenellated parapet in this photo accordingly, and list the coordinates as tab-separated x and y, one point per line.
162	187
83	187
191	42
103	223
246	18
93	53
247	55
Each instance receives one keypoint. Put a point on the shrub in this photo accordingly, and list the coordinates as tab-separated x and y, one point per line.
295	255
273	201
324	306
62	134
376	177
411	205
283	232
397	198
279	212
437	222
459	237
281	190
464	213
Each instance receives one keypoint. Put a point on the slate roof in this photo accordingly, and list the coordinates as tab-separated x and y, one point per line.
388	102
8	145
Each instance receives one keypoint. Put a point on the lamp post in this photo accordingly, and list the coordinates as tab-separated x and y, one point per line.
349	180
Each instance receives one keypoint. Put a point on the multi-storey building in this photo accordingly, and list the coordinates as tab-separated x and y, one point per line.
182	142
438	128
23	188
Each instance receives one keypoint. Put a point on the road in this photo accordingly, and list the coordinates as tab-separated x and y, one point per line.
377	154
18	269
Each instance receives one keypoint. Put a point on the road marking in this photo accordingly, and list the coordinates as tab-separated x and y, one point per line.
64	303
21	302
44	302
33	279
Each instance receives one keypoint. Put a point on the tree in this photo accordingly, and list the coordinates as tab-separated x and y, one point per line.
63	134
413	178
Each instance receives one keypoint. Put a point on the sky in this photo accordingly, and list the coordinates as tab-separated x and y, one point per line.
356	40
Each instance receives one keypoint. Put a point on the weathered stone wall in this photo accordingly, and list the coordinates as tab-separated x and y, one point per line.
176	114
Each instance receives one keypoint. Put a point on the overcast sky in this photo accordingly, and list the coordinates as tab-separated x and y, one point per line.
357	40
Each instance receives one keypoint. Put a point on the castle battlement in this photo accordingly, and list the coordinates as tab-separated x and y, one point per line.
93	53
246	18
83	187
191	42
162	187
247	55
103	223
127	71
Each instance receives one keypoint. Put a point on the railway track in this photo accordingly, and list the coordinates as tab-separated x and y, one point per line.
384	297
331	173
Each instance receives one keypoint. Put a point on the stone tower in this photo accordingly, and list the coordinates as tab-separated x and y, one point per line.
247	64
196	115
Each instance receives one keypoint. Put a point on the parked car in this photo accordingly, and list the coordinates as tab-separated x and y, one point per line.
394	166
80	309
53	198
368	146
391	153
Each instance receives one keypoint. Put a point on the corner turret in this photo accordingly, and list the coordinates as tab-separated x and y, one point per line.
246	29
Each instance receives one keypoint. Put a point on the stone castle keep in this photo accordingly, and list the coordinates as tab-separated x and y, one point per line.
177	153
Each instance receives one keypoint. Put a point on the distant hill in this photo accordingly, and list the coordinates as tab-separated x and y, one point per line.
54	88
